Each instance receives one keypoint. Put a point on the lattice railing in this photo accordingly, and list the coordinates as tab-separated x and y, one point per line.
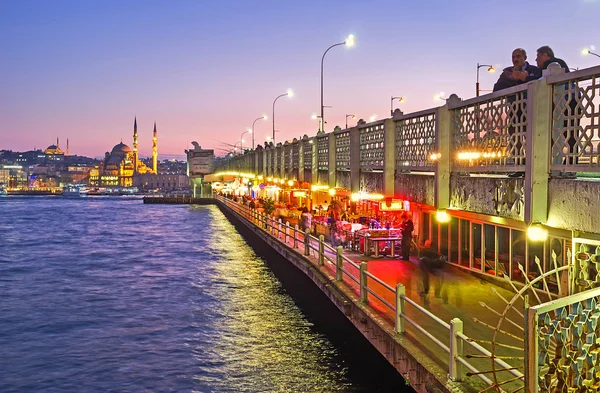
259	159
372	147
277	160
323	152
308	153
564	350
415	140
295	162
287	159
576	121
489	132
342	150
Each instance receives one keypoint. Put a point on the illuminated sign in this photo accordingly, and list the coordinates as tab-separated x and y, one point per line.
393	205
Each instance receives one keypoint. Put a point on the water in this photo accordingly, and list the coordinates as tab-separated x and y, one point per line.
110	295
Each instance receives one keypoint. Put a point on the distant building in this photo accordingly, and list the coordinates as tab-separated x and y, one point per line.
121	165
163	182
200	162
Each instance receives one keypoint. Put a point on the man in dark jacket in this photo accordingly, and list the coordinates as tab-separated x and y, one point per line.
520	72
545	57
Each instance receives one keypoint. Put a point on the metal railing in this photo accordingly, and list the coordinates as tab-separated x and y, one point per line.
323	252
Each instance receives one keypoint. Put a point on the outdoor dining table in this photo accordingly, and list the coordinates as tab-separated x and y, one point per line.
377	240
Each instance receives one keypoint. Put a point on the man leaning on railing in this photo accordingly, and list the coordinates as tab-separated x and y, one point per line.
520	72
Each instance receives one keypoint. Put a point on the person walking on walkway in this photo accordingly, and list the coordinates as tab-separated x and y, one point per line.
407	228
432	263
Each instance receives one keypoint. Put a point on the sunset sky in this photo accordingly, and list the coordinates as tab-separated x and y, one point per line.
204	69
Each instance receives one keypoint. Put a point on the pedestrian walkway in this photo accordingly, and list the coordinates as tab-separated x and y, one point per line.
454	293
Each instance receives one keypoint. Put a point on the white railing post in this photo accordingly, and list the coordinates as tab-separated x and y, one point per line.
296	236
287	231
400	308
307	242
339	264
279	229
321	250
456	349
363	283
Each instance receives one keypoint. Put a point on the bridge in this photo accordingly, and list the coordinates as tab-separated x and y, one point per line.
497	168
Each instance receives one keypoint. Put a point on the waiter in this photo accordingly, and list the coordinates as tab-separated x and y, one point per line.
407	228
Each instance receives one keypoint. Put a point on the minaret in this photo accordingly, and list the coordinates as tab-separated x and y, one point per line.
67	153
154	152
135	146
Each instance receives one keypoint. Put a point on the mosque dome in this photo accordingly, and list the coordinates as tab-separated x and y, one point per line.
53	149
120	149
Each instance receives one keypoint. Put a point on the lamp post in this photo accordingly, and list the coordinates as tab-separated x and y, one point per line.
586	51
400	99
242	140
347	116
289	93
235	144
252	130
349	42
490	69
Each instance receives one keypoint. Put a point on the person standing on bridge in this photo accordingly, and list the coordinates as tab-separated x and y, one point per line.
407	228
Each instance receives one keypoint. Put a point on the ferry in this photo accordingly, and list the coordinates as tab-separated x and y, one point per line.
75	190
71	191
3	190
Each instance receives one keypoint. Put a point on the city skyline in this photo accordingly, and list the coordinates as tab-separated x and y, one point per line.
83	71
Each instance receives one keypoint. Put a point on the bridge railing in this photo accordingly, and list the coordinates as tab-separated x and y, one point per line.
575	121
416	135
489	133
354	275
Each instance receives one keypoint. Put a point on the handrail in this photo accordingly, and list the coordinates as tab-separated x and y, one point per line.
488	97
569	76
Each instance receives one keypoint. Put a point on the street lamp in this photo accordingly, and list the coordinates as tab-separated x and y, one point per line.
349	42
347	116
400	99
373	118
235	146
586	51
289	93
490	69
252	130
242	140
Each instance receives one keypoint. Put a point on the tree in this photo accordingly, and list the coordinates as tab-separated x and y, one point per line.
269	205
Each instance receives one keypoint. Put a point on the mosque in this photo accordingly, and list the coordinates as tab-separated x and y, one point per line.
120	165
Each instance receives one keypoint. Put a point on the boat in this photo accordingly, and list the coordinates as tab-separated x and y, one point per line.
3	190
71	191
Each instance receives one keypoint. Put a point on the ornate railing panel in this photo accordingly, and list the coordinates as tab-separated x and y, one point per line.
372	148
277	158
342	150
563	338
259	158
576	121
323	152
295	159
287	160
308	153
415	140
489	132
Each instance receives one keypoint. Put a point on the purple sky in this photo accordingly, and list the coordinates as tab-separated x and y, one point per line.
205	69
